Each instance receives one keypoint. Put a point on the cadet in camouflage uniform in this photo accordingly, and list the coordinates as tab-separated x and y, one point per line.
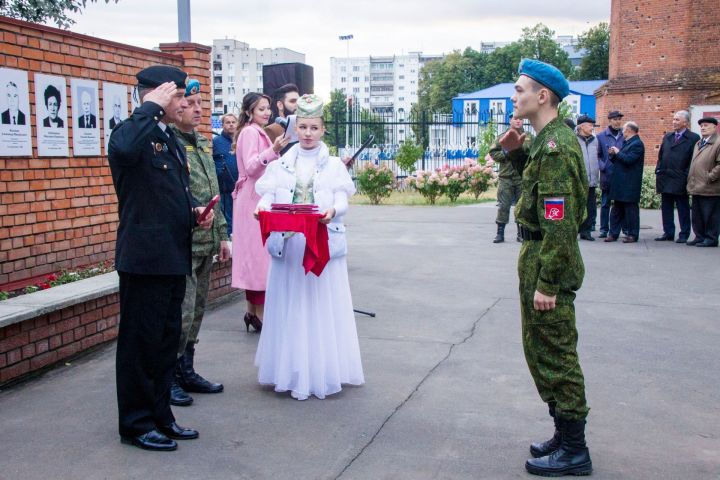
509	183
205	244
550	267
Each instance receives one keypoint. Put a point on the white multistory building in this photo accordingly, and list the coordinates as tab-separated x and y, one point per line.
237	69
380	84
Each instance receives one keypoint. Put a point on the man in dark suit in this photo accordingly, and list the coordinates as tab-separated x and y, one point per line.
625	185
52	104
87	119
157	214
671	175
12	116
116	106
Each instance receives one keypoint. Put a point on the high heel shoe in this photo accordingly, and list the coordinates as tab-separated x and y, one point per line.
252	319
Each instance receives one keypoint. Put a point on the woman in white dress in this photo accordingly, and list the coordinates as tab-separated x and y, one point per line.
309	343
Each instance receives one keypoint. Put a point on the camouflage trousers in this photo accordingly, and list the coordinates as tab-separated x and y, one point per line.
508	193
550	341
193	306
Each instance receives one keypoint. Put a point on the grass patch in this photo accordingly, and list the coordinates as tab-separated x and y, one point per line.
413	198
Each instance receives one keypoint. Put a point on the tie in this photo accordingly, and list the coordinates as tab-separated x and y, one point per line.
14	120
703	142
87	123
677	137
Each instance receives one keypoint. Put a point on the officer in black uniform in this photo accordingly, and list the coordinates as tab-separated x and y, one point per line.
152	257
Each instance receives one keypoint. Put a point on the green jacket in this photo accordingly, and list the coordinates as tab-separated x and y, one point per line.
553	201
203	186
506	171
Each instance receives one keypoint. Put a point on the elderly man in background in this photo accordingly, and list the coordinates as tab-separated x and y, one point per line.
671	174
626	184
589	147
704	185
610	137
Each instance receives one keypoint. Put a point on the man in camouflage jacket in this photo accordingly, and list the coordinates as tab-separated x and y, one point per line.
550	267
205	245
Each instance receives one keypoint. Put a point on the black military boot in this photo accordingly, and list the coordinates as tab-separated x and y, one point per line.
500	237
518	237
548	446
189	379
178	396
572	458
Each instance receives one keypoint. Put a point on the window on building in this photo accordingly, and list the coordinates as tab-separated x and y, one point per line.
356	90
231	66
259	65
401	65
356	79
231	78
356	68
245	65
367	100
343	79
401	99
343	68
401	87
367	89
259	77
401	77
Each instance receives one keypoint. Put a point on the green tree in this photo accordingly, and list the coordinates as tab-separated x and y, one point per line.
335	115
40	11
595	63
408	154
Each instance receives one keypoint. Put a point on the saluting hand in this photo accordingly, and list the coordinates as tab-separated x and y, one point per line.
512	140
163	94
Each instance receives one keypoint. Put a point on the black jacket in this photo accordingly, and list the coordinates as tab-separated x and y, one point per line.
626	180
151	179
673	163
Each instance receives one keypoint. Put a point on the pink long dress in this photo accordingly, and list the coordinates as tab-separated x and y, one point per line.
250	260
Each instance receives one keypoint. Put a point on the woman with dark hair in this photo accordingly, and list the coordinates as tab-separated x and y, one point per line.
254	151
52	103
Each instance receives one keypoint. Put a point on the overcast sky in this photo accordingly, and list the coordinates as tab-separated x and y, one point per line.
312	27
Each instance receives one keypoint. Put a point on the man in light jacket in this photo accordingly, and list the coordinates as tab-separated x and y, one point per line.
704	185
589	147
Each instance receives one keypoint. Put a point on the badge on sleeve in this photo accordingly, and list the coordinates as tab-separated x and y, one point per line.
551	144
555	208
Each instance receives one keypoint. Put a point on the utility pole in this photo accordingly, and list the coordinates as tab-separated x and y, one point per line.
183	7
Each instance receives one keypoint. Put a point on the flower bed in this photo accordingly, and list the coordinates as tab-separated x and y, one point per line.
452	181
61	278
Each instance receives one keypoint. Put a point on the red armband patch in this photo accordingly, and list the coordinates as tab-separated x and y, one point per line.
555	208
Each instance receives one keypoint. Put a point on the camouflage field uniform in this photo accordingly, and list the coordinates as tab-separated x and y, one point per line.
205	243
553	173
509	183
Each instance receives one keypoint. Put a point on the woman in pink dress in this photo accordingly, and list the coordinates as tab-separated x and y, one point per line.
254	151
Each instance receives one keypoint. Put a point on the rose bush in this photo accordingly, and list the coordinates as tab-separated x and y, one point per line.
377	182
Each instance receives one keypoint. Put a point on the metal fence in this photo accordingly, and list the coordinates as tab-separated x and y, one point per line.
448	138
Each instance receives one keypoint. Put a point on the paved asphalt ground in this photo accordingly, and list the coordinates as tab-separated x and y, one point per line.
448	395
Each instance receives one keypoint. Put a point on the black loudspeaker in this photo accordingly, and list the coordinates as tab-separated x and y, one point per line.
279	74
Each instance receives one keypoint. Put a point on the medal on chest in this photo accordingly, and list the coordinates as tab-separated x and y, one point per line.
555	208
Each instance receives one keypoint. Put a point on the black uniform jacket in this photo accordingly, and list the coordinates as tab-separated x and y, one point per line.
674	162
152	182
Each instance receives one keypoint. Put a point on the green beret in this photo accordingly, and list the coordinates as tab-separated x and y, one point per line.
309	106
545	74
156	75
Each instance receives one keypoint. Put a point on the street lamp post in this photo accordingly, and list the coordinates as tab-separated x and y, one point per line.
347	38
183	20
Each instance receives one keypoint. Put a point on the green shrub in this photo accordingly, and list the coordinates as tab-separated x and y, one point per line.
408	155
649	198
375	182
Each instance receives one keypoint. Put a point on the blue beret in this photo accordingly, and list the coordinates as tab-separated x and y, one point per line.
545	74
156	75
193	87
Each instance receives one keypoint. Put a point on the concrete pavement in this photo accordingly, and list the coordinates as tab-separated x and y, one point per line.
448	395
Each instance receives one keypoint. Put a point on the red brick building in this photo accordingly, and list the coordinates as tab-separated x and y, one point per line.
664	57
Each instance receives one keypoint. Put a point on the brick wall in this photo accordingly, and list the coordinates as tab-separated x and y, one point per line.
61	213
663	58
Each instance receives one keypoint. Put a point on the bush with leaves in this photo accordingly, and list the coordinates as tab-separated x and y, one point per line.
457	181
430	184
408	155
481	177
649	198
376	182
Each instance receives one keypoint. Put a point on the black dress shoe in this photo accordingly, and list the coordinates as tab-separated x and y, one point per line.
694	241
603	235
587	236
179	433
707	243
664	238
629	239
178	396
152	440
681	240
610	238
